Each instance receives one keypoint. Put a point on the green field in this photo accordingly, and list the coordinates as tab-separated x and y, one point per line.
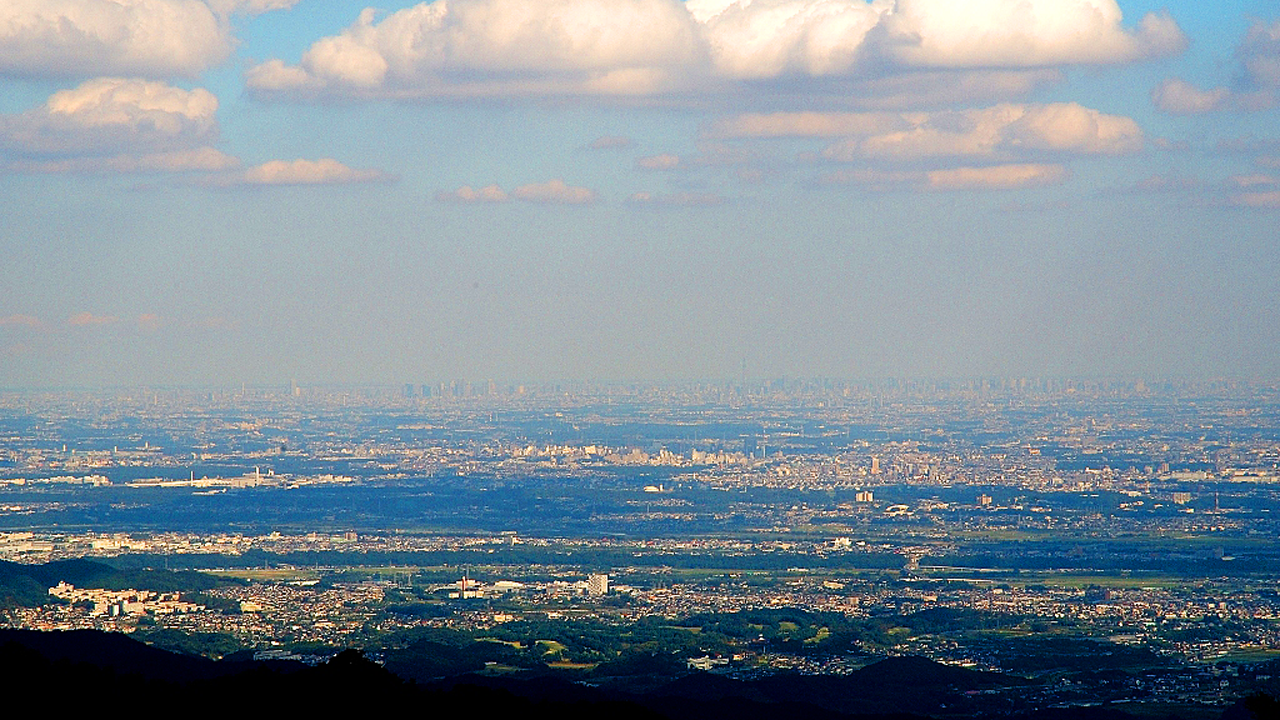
289	575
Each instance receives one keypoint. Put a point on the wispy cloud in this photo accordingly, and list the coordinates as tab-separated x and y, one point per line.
178	161
467	194
678	199
1003	131
325	171
21	320
999	177
1180	97
994	177
808	124
149	322
1268	200
88	319
611	142
1166	184
1253	180
554	192
665	161
249	7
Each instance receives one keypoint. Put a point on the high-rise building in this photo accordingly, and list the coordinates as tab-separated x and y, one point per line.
598	584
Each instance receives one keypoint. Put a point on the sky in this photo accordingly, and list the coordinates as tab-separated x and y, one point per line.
216	192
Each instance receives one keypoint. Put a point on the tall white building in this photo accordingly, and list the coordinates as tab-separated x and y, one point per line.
598	584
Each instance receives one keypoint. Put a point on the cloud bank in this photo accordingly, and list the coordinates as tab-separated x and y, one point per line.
644	47
1002	131
148	38
123	125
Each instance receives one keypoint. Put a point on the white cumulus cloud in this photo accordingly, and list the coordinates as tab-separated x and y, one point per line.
1022	33
1070	127
757	39
643	47
153	38
111	115
480	47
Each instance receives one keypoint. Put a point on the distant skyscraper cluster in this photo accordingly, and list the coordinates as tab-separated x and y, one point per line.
460	389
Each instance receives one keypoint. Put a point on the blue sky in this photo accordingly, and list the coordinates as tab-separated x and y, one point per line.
210	192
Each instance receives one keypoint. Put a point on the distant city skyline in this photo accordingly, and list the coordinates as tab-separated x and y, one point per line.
216	192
